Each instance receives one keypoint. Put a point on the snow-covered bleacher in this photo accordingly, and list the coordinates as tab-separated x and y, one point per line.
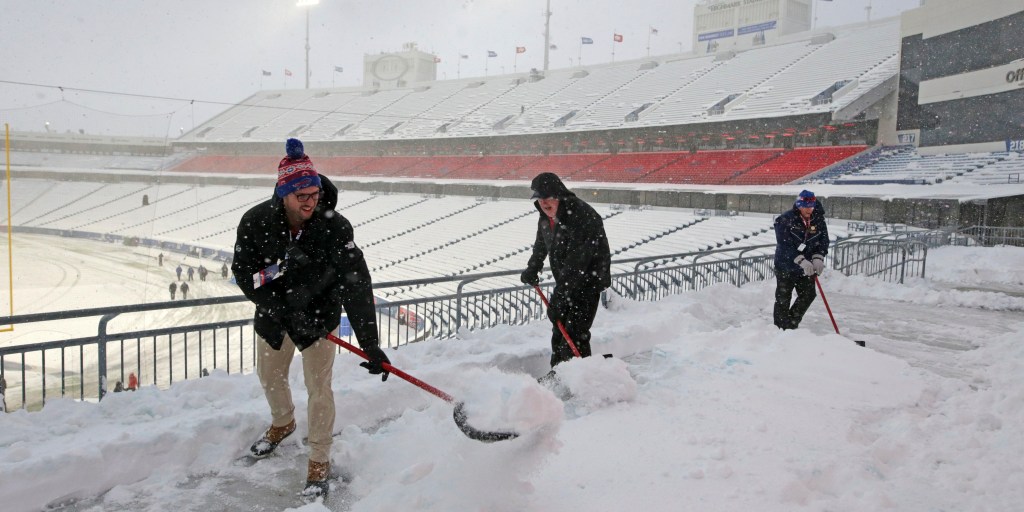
404	236
770	81
863	54
903	164
93	162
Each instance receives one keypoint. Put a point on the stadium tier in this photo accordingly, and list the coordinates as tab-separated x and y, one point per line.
741	166
804	74
404	236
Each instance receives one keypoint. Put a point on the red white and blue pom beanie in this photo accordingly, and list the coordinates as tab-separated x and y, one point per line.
296	171
806	199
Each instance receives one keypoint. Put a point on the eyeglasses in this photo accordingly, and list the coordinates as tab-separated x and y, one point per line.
302	198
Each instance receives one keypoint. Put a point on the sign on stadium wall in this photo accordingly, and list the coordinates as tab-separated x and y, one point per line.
909	137
760	27
716	35
1014	145
997	79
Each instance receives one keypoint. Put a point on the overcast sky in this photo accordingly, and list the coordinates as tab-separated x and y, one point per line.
214	52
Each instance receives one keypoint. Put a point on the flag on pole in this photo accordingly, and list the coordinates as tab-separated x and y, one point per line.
437	59
492	53
553	47
520	49
338	69
464	56
587	40
654	31
265	72
617	38
287	73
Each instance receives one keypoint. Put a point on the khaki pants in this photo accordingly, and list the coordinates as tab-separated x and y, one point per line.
317	369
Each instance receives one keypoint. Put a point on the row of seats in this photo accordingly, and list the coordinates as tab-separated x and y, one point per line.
771	166
903	164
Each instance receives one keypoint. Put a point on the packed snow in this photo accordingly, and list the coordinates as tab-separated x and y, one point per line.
704	406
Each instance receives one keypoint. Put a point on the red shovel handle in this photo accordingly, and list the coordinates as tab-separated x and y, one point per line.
561	327
391	369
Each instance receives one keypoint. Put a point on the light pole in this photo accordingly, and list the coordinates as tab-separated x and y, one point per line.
307	4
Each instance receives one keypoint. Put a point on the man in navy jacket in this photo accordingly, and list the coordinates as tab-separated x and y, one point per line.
801	244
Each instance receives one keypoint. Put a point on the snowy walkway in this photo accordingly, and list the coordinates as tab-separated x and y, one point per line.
707	407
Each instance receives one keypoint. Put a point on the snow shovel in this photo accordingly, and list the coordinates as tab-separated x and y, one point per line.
827	308
459	413
561	327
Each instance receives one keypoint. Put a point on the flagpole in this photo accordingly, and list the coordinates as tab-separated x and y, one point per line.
649	30
579	56
614	31
458	67
515	58
547	33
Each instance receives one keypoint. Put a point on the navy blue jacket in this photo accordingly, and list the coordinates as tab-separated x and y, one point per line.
791	232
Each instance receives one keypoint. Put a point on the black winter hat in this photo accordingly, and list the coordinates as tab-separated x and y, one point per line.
548	185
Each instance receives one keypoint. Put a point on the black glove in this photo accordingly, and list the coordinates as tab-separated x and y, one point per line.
557	307
375	362
529	277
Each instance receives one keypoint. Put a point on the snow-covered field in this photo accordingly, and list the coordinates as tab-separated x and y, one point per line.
705	407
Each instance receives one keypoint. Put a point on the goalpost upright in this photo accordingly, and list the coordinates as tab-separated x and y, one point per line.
10	246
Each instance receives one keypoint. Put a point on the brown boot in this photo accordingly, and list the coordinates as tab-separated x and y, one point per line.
271	438
316	480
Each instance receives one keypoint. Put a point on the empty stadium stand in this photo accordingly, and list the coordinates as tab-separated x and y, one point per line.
800	75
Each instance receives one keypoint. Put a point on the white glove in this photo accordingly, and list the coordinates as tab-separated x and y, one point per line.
805	264
818	262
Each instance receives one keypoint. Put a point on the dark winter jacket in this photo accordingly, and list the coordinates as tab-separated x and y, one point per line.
791	232
306	300
577	245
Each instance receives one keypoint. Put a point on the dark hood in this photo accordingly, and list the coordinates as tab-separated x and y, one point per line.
548	184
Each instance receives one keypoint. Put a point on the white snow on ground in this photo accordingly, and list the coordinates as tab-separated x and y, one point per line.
705	407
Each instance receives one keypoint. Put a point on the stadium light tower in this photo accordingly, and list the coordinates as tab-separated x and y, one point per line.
308	4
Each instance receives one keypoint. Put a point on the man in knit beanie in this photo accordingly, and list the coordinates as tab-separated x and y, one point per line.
297	260
801	244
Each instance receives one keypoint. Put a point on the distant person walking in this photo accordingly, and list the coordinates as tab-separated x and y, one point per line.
184	291
191	273
801	243
173	288
224	270
178	271
160	259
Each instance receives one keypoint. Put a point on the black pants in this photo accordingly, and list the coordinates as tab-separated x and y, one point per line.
577	322
786	316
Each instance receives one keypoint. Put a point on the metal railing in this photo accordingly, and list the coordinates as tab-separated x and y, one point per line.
80	368
988	236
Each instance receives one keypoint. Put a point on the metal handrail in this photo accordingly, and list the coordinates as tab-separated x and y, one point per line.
438	316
